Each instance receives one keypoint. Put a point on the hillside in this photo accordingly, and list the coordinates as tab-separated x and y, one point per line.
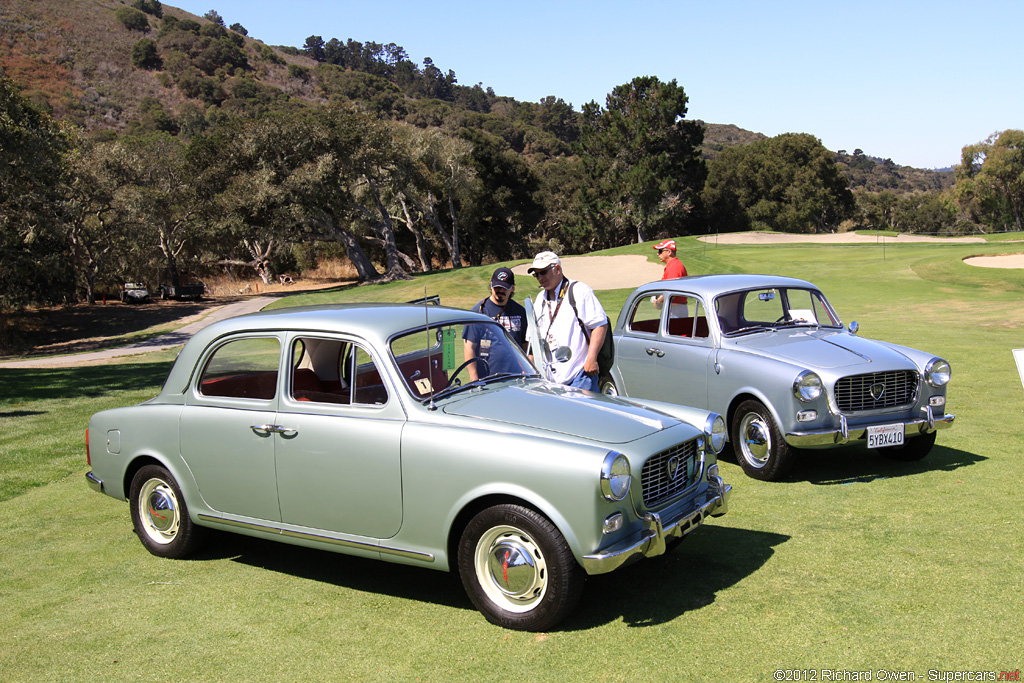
81	61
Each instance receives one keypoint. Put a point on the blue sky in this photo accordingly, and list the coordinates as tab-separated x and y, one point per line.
914	81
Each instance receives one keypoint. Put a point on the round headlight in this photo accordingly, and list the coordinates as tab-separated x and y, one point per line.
938	372
807	386
615	476
715	430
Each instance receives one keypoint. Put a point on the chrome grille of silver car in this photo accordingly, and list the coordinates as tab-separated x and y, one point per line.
669	473
876	390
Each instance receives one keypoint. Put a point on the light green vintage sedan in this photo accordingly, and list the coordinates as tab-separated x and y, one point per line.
366	430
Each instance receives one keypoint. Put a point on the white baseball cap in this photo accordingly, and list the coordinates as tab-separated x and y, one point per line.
544	259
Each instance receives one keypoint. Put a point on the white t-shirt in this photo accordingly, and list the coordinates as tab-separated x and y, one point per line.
557	324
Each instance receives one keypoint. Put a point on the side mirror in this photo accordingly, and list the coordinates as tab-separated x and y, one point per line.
854	327
562	354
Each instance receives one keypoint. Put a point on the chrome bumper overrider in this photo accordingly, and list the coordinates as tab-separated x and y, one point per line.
844	434
94	483
674	522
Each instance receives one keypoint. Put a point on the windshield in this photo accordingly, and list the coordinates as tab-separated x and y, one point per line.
758	309
456	355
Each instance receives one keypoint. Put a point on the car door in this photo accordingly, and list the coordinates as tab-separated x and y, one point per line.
225	429
339	449
684	354
635	348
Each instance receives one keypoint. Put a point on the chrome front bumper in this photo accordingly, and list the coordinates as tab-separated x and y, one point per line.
844	434
659	528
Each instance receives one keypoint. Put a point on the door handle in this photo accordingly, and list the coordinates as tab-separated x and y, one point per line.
655	352
275	429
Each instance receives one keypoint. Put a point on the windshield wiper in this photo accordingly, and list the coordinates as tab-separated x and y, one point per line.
749	329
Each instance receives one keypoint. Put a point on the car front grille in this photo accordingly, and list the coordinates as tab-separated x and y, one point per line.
876	391
669	473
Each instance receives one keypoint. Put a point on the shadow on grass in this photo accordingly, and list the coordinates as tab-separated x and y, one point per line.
19	385
344	571
858	465
647	593
658	590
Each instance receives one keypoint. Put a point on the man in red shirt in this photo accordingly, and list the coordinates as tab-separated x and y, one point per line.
667	254
673	268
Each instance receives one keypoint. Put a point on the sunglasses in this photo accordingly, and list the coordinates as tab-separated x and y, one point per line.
545	271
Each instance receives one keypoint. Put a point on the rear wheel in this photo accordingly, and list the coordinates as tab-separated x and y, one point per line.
517	568
912	449
160	515
760	449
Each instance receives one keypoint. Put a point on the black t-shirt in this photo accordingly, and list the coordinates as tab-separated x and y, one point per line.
512	317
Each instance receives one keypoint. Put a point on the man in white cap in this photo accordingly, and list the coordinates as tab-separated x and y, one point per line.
581	325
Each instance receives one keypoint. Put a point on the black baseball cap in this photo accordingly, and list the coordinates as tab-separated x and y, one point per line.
503	278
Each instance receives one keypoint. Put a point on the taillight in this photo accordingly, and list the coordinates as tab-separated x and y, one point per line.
88	458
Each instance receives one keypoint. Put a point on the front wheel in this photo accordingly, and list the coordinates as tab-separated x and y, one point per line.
517	568
607	386
760	449
160	515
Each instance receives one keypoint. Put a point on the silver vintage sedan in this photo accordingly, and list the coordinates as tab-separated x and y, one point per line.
772	356
360	429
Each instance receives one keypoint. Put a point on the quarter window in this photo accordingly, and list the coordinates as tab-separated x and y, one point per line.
244	368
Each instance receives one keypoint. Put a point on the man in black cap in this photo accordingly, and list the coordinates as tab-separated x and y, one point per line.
499	307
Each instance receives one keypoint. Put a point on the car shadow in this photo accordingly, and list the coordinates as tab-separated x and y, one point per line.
858	464
343	571
647	593
660	589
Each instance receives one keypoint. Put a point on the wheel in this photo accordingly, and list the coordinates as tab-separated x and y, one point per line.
475	359
912	449
760	449
160	515
607	386
517	568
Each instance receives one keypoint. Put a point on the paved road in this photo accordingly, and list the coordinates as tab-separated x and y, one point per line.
165	341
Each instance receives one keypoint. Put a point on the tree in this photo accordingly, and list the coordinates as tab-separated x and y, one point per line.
145	55
990	179
642	159
788	183
33	156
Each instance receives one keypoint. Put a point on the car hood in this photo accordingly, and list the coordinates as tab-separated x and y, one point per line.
824	349
564	410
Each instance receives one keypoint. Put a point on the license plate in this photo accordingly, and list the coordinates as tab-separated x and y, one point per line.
885	435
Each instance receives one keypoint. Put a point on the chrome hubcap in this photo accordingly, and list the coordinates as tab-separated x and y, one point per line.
756	440
159	511
511	568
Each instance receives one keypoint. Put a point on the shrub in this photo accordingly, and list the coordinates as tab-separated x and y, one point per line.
145	55
132	19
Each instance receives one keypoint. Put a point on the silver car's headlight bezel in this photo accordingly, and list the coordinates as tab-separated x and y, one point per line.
808	387
616	476
938	372
715	432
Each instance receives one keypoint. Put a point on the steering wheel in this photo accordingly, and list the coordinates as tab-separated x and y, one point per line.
476	359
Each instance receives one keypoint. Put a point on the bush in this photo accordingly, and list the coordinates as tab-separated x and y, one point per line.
145	55
132	19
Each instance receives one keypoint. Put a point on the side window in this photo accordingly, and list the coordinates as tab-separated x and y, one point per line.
687	318
647	314
244	368
368	387
334	371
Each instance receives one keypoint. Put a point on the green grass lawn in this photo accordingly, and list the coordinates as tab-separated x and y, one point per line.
854	564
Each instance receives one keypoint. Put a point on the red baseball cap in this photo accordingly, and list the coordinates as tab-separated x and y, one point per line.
665	244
